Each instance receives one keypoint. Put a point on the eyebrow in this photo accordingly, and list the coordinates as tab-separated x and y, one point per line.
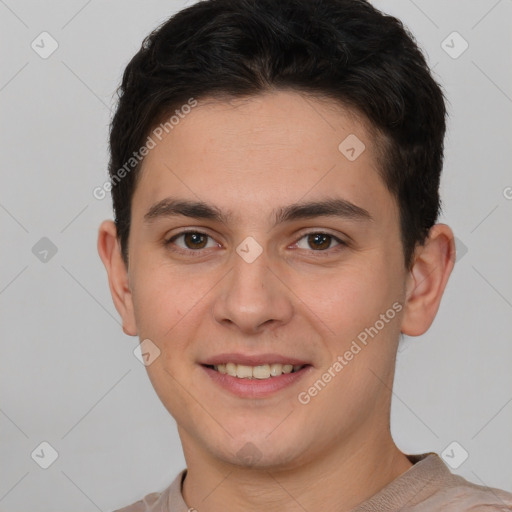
341	208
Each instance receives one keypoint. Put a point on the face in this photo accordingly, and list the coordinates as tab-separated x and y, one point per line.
257	243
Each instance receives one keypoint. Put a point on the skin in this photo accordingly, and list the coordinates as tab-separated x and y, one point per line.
247	158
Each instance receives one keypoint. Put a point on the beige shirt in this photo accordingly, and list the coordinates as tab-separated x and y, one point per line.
427	486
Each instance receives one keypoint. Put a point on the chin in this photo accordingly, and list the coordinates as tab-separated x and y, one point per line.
259	452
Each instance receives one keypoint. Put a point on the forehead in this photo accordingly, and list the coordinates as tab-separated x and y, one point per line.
264	151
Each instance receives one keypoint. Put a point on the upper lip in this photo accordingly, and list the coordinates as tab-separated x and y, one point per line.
252	360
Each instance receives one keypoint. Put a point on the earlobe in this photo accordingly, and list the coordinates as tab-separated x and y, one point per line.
109	250
433	264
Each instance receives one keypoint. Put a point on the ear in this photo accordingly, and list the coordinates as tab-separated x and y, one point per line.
432	266
109	250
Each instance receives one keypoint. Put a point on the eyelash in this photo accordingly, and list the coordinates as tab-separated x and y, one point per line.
198	252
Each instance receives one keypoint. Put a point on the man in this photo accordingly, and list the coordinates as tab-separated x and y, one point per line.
275	171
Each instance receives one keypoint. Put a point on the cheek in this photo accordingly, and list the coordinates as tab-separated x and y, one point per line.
167	305
164	297
348	300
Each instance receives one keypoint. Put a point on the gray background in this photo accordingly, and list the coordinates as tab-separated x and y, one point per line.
68	373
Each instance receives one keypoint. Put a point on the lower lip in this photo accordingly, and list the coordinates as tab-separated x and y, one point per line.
256	388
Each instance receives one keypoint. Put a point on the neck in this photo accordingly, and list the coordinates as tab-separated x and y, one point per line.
337	480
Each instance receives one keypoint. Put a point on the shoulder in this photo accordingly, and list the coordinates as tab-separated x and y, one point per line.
146	504
457	494
143	505
165	501
467	498
429	486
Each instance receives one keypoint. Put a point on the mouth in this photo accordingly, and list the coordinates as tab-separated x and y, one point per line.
260	372
255	376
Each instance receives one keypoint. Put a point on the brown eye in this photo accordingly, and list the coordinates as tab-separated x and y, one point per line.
195	240
192	241
318	242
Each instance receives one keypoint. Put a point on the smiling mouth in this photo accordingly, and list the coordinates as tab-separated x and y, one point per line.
261	372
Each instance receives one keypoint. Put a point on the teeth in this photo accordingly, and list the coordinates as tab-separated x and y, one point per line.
243	372
276	369
231	369
263	371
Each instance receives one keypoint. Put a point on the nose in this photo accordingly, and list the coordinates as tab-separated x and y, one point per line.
252	297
